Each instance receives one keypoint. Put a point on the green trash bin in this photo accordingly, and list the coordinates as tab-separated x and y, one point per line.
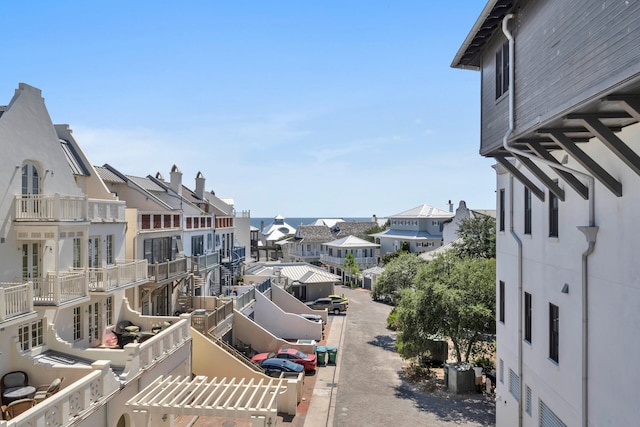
321	353
332	352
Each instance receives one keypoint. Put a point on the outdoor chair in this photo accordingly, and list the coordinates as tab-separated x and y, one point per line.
11	381
16	408
46	390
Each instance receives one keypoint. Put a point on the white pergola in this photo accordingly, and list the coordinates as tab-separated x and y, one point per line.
168	397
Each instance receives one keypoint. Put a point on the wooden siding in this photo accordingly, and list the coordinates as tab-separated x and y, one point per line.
566	52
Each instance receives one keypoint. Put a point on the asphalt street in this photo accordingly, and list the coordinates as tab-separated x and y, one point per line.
371	390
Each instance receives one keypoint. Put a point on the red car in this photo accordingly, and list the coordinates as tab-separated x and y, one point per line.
309	361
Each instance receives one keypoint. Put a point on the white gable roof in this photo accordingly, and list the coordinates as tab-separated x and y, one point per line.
424	211
351	242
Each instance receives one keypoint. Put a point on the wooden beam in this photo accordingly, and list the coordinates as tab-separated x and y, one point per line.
569	178
587	162
539	173
520	176
613	143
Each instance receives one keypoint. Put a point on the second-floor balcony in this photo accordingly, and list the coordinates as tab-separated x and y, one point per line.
16	299
50	207
304	253
59	288
207	319
165	272
106	210
122	274
338	261
203	263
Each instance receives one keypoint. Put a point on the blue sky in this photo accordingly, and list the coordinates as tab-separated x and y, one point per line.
300	108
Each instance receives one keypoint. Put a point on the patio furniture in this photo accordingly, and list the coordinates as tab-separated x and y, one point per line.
126	332
16	408
46	390
13	386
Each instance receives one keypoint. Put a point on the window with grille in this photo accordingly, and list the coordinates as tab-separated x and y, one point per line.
31	334
77	323
109	310
514	384
110	249
77	248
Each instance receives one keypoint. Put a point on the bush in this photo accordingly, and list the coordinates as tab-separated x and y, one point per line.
486	364
347	284
392	320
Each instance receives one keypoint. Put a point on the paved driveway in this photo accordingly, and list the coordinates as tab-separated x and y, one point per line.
371	390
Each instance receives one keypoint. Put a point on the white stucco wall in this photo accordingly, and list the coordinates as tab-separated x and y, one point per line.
614	298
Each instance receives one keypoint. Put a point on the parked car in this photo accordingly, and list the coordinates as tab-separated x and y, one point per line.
261	357
333	307
274	367
339	298
308	361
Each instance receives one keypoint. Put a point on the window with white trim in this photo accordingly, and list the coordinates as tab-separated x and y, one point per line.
502	70
77	323
108	307
110	249
77	252
31	335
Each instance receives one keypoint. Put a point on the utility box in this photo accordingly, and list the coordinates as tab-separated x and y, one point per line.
461	378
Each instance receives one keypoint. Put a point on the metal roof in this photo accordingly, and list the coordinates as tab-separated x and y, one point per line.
423	211
406	234
146	183
73	158
351	242
108	176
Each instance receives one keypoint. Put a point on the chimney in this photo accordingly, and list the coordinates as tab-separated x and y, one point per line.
450	206
374	218
176	180
200	185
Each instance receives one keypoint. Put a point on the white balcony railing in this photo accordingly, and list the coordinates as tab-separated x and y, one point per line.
204	262
333	260
305	253
57	288
15	299
106	210
51	207
118	275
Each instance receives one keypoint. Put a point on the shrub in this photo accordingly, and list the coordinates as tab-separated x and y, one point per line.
486	363
392	320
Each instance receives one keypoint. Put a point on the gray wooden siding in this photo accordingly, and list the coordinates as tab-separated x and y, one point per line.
566	52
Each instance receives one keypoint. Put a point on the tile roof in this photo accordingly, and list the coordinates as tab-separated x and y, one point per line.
314	234
353	228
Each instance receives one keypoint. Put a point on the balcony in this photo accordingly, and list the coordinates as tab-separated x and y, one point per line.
206	323
50	207
300	253
168	271
16	299
337	261
203	263
58	288
159	221
122	274
106	210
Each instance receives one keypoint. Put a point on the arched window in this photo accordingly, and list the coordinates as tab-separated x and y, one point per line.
30	179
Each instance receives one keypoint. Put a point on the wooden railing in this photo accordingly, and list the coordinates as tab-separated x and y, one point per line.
50	207
168	270
206	323
15	299
58	288
120	274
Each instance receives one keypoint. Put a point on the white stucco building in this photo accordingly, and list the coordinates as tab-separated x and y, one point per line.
560	115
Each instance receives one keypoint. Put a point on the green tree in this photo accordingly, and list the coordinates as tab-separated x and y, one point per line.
350	266
477	237
398	274
453	297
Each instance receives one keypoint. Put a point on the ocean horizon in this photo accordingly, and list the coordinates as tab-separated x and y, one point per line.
297	221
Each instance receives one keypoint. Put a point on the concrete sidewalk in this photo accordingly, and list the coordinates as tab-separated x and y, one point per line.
323	403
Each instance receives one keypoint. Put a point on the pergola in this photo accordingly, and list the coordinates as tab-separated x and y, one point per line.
201	396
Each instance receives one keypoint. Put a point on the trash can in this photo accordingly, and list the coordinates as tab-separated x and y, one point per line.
331	352
321	353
